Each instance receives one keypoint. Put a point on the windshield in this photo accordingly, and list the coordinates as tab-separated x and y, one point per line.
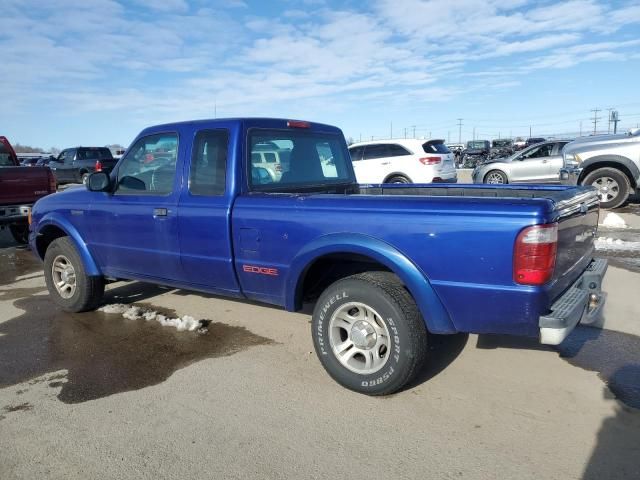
501	143
476	144
283	160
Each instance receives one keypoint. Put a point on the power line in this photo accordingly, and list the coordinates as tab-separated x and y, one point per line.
595	119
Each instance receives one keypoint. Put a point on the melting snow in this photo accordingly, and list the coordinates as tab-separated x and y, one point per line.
184	323
608	243
613	220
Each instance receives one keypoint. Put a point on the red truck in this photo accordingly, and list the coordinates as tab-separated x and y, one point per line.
20	187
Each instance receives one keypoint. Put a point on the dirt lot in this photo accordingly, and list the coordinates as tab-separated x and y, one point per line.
95	395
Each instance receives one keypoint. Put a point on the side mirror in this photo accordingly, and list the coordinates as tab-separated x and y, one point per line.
98	182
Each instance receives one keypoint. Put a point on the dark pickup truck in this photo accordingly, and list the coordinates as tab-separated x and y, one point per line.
385	265
73	165
20	187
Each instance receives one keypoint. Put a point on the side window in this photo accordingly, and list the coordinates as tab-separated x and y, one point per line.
209	163
397	151
375	151
149	166
356	153
68	156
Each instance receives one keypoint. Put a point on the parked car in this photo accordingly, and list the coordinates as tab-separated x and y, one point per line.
533	141
28	161
501	148
383	264
73	165
611	163
519	143
403	161
19	188
476	152
539	163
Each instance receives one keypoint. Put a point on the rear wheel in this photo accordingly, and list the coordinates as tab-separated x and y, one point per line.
67	281
613	186
495	177
368	333
84	176
398	179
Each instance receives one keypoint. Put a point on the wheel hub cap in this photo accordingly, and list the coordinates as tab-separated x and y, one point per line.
363	335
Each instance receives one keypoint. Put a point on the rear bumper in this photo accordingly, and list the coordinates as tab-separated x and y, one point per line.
582	302
14	213
570	175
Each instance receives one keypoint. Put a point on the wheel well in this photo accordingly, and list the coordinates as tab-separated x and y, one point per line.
47	235
618	166
330	268
397	174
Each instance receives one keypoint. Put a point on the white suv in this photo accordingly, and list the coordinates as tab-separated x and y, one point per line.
403	161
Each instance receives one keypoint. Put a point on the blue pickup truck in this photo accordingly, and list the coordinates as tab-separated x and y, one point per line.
191	205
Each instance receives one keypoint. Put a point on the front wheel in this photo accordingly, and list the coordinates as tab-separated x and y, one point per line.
368	333
613	186
66	279
495	177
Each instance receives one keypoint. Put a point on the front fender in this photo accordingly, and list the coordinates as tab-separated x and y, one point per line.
611	158
58	220
433	312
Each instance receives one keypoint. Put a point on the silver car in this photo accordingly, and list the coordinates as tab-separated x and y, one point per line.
539	163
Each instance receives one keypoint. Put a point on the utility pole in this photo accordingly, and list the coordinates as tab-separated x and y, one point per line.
615	119
580	127
595	119
474	133
391	131
459	130
529	131
405	132
448	136
609	120
414	130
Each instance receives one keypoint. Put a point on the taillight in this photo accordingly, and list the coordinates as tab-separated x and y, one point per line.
98	166
52	181
430	160
535	254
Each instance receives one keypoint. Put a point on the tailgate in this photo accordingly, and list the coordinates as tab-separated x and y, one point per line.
577	226
23	185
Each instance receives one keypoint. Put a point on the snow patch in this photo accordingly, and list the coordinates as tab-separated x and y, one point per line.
182	324
613	220
608	243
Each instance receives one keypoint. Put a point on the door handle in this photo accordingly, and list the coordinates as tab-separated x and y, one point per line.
159	212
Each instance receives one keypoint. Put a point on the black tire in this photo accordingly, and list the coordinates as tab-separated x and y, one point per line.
83	177
382	292
398	179
20	233
505	180
89	290
620	179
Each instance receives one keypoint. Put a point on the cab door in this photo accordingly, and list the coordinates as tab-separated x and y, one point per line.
555	163
530	166
134	230
375	165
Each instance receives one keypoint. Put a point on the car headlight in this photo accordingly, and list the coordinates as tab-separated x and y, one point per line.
572	160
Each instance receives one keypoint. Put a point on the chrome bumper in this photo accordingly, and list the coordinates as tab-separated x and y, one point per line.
11	213
581	303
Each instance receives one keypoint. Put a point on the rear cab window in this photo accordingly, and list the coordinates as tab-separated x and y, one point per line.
94	153
286	160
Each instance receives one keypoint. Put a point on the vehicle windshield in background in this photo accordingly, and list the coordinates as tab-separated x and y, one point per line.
476	145
502	143
94	154
435	146
288	159
5	157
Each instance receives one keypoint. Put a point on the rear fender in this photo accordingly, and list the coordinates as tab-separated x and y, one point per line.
433	312
56	219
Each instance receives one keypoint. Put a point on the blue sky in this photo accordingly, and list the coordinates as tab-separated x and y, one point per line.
98	71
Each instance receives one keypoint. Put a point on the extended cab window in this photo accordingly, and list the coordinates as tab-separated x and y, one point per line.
150	166
209	163
284	160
